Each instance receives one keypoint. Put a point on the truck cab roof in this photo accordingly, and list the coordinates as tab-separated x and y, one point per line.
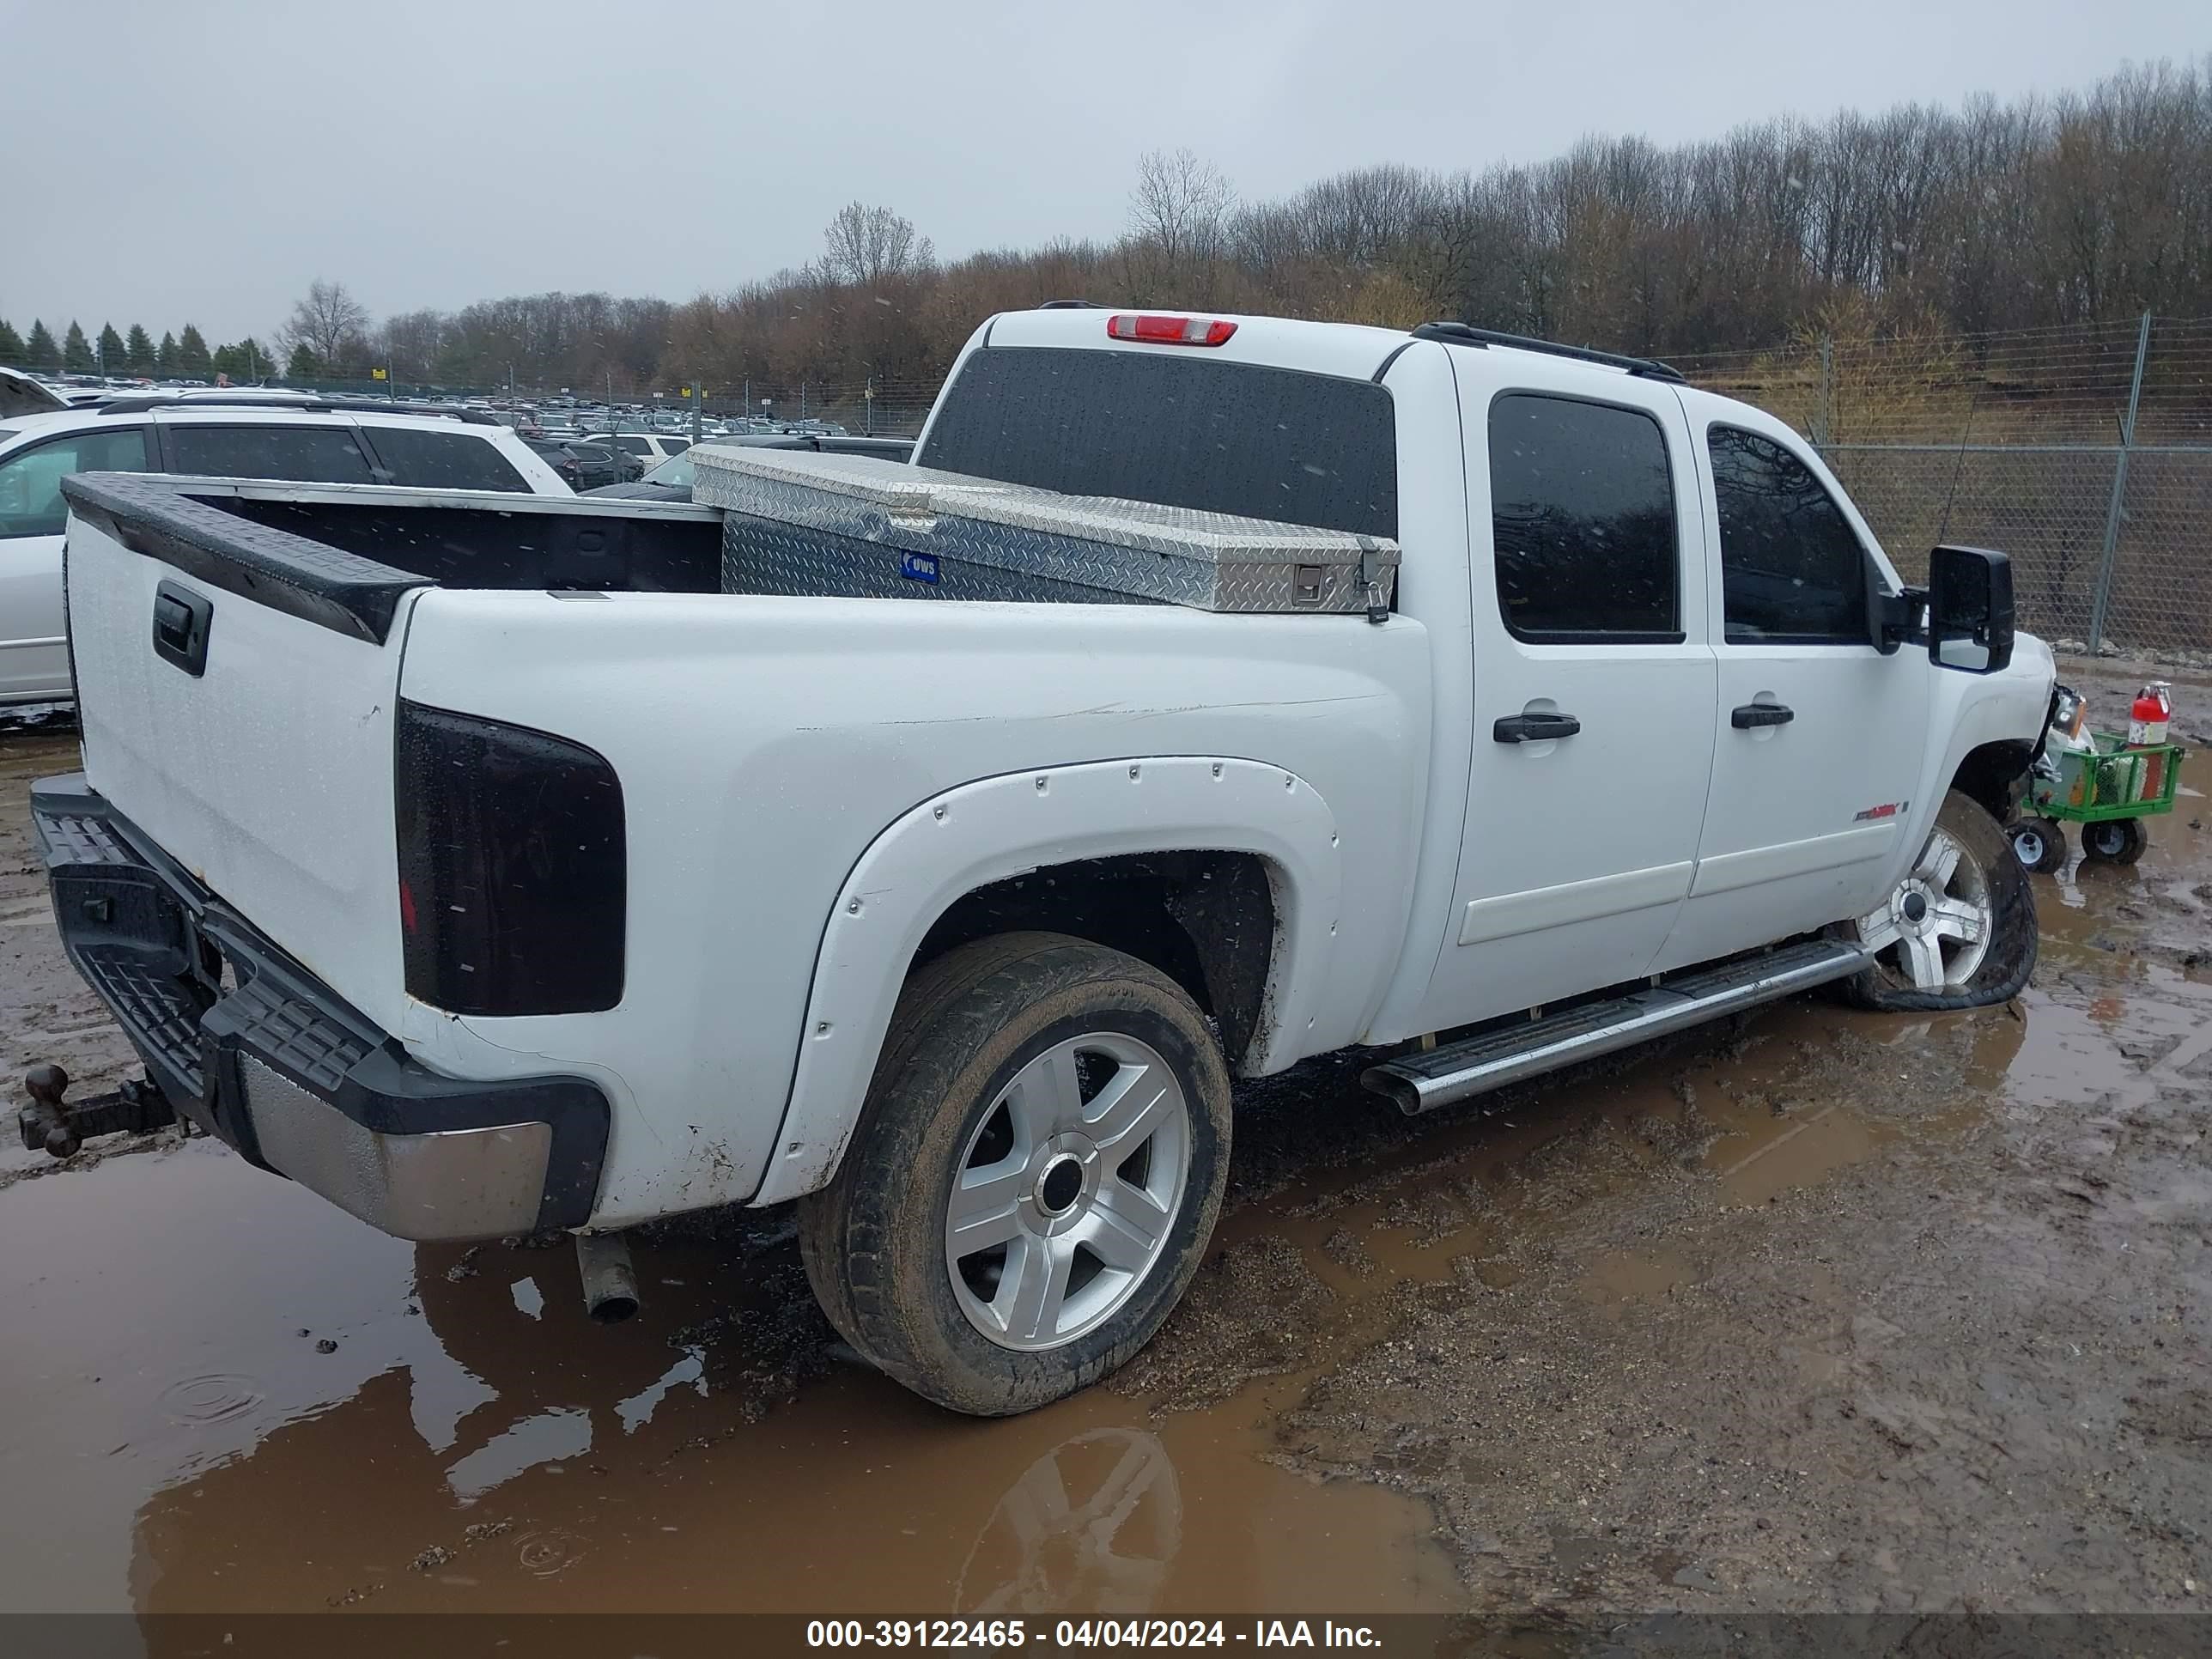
1350	350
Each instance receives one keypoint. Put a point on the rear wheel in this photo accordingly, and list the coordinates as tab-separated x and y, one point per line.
1958	930
1035	1177
2115	841
2039	844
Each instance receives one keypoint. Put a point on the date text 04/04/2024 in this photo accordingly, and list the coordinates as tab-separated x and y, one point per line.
1088	1633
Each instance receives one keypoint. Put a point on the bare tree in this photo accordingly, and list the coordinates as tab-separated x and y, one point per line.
866	244
409	344
1180	206
330	322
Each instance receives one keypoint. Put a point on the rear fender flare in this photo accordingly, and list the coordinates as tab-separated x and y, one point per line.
996	827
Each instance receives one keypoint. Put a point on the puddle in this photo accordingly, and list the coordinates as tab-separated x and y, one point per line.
1800	1154
1614	1280
187	1447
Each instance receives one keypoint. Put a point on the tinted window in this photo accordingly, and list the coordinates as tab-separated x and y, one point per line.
1583	514
1792	570
31	501
635	446
443	461
675	445
304	454
1184	431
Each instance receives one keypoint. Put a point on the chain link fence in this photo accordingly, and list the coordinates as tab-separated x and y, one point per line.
2084	452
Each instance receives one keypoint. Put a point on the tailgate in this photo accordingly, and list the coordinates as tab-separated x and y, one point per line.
266	771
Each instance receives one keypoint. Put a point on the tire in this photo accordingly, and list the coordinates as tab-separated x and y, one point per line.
2115	841
997	1056
1929	958
2040	845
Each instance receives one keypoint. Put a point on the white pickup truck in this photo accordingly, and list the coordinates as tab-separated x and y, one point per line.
485	866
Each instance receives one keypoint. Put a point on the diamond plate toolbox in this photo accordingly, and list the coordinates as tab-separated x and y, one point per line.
858	526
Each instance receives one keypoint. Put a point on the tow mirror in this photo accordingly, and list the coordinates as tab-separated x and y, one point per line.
1969	609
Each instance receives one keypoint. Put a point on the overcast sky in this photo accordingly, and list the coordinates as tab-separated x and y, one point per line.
167	162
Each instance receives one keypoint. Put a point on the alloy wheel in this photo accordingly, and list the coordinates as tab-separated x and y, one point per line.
1068	1191
1935	924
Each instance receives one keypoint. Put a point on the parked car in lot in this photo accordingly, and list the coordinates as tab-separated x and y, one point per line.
672	480
25	394
585	466
651	448
211	435
504	871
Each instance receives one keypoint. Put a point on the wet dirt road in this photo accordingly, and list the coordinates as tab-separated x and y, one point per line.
1816	1310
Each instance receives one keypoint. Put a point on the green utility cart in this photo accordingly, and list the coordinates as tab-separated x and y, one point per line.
2109	791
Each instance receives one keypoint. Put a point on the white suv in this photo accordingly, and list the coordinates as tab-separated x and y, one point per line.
242	436
650	447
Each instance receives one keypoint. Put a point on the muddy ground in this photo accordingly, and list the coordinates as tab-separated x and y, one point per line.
1819	1310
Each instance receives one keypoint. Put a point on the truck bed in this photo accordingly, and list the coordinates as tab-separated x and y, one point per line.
763	747
342	553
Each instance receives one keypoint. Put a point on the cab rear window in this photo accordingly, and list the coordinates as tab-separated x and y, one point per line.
1184	431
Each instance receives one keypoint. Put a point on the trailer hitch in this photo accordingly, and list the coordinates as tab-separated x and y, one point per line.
60	1128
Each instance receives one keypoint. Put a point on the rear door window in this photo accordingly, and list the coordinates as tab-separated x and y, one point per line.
31	501
675	445
1582	505
1792	570
301	454
1184	431
443	461
635	446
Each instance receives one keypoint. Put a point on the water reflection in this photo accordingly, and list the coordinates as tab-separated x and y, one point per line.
513	1456
1094	1524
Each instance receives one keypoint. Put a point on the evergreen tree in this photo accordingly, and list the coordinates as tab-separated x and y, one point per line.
191	360
43	350
302	366
114	358
11	346
244	361
138	350
165	357
76	351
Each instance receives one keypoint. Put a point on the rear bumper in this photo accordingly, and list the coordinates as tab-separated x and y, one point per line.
254	1049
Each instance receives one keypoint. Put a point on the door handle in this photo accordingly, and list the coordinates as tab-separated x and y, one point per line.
1751	714
1533	728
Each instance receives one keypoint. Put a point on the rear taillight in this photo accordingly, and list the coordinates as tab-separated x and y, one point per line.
1170	330
513	867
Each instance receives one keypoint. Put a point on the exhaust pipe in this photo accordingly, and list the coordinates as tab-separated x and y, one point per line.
609	1281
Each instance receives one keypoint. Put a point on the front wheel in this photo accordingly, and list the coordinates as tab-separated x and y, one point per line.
1035	1177
1958	930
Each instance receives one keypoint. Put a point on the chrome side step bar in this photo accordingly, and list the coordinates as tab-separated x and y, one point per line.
1421	1082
